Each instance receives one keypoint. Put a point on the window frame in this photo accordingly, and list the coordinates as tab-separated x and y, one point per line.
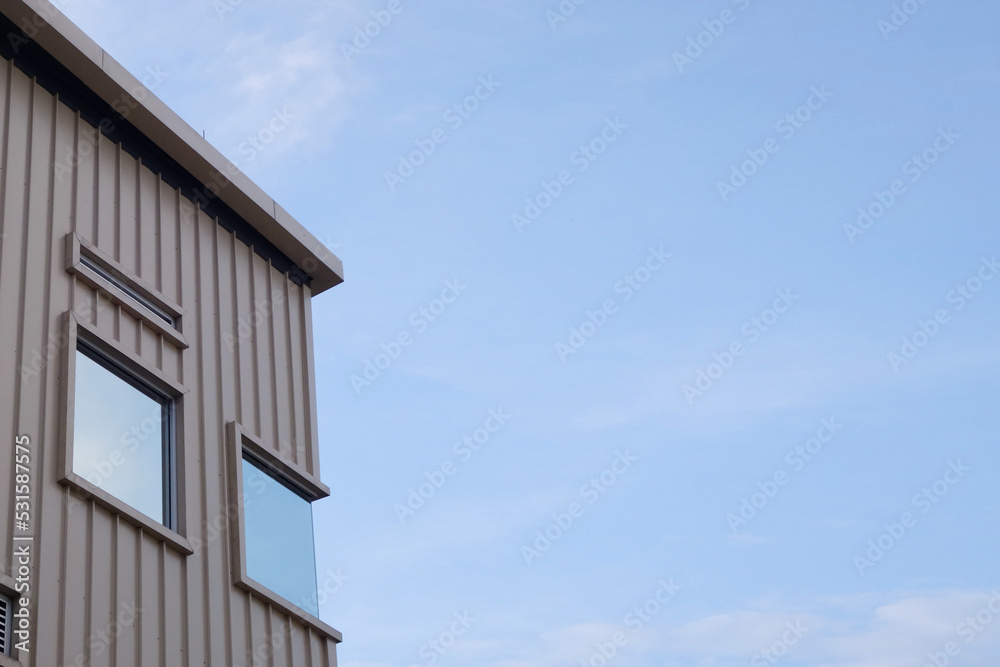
122	287
145	378
8	588
240	445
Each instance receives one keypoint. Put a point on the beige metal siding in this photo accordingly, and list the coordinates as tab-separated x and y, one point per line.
90	565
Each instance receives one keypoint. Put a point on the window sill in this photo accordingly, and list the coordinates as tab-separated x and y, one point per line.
127	513
300	615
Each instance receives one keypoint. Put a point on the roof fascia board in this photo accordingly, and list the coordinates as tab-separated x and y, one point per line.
62	39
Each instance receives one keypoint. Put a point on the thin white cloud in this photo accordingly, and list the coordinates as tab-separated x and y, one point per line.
259	61
565	646
267	76
850	631
443	527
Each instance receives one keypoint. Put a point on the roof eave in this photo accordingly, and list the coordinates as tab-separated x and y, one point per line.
61	38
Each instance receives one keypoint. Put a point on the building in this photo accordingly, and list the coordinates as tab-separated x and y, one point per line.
157	393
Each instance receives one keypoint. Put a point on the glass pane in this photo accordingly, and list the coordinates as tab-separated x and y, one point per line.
118	437
279	538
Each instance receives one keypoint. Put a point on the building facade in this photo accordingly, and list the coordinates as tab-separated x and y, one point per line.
157	395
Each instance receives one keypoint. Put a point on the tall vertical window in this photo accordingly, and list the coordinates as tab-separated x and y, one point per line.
273	549
122	435
278	525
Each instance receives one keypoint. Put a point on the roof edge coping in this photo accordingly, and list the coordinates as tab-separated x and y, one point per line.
109	80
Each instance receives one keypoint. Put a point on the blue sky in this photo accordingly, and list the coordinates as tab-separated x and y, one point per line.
896	115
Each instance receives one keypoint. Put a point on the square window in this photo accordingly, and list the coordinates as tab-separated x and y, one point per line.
122	435
278	525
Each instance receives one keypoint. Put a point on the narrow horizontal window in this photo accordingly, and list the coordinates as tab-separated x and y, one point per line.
130	292
127	289
122	435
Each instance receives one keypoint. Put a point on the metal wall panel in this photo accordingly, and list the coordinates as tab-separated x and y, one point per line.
106	593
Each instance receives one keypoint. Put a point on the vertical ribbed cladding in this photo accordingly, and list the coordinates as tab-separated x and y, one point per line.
11	250
10	288
249	359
